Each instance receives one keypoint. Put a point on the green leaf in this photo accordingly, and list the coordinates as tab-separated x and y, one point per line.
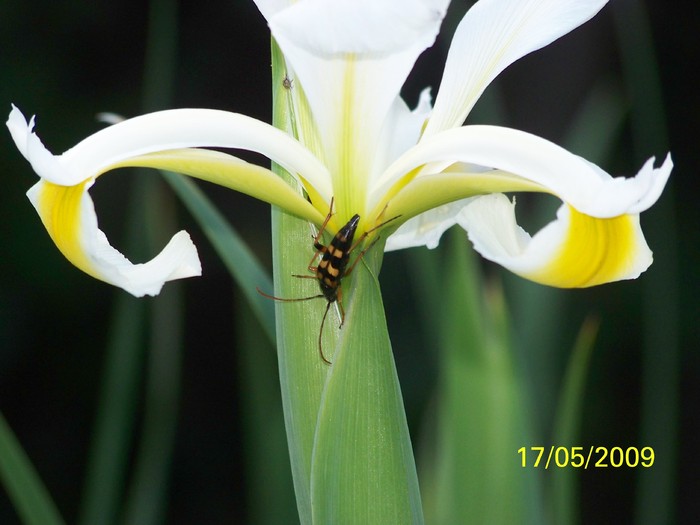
267	474
563	481
363	467
661	357
108	457
302	372
337	479
240	261
481	420
24	487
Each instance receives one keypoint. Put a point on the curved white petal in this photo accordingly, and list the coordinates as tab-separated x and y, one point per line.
427	228
66	209
573	179
269	8
492	35
166	130
69	216
351	58
359	26
402	128
573	251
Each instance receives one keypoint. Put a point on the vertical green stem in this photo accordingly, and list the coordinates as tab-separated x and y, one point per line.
23	484
661	352
348	440
480	418
147	495
363	466
302	373
109	457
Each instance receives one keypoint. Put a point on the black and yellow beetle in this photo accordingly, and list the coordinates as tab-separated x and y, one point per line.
333	267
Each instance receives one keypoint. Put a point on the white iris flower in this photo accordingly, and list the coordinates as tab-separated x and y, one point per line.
357	142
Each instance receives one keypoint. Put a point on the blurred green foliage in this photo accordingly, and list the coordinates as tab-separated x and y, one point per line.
68	61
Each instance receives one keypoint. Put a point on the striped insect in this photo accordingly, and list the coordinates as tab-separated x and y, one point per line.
333	267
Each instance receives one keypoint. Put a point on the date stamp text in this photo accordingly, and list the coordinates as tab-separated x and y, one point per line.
591	457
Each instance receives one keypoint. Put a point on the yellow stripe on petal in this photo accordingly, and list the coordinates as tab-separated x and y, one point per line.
596	251
60	210
69	217
231	172
573	251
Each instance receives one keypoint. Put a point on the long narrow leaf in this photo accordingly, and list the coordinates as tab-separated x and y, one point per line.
26	490
302	373
267	474
363	466
661	352
109	451
482	420
563	482
239	260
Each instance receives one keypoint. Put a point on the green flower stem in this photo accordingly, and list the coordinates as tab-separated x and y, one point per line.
302	373
563	483
22	483
474	470
363	469
661	358
348	439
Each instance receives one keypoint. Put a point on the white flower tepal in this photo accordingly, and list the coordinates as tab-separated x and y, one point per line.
358	143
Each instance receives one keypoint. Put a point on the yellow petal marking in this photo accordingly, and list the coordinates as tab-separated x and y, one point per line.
60	211
411	195
230	172
596	251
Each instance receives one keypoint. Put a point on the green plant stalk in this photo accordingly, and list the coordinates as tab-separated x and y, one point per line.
23	484
481	422
302	373
563	483
366	475
661	357
118	400
363	469
266	460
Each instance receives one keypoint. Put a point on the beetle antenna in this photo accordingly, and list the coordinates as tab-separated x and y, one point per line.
284	300
320	335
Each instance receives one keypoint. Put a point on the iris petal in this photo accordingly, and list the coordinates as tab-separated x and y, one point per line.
61	198
69	216
574	251
492	35
596	237
161	131
535	161
351	58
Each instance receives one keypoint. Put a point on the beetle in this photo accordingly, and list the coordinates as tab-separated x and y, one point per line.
333	267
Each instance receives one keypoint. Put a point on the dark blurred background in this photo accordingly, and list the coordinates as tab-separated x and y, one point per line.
67	61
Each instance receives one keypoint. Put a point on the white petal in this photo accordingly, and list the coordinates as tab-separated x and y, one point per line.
77	235
493	35
427	228
359	26
402	128
269	8
572	251
351	57
67	211
166	130
31	147
573	179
